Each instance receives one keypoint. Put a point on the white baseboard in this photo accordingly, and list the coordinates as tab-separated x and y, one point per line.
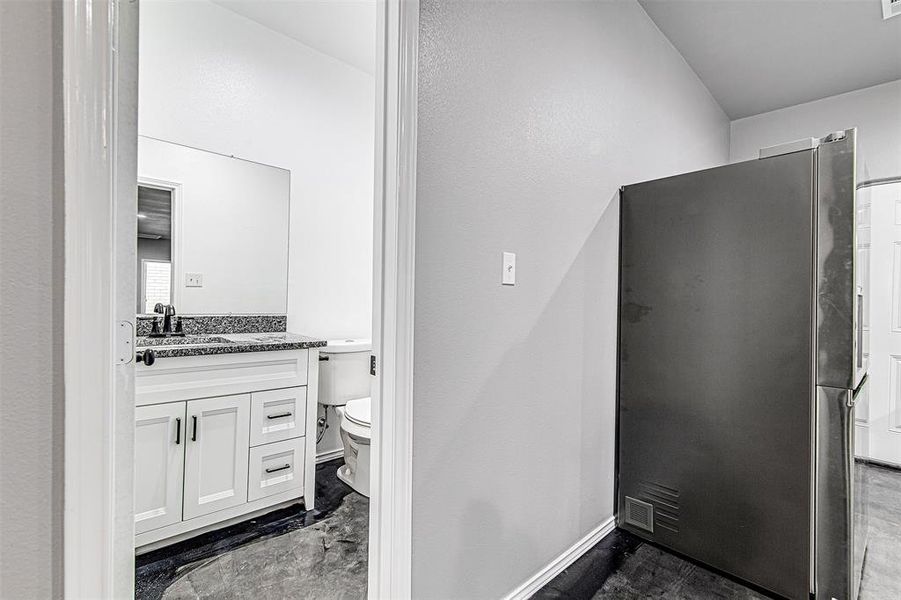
322	457
556	566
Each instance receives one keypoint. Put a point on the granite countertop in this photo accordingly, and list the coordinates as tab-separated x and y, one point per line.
226	343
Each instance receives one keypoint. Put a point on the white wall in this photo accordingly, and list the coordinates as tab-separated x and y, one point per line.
230	225
531	115
875	111
218	81
31	300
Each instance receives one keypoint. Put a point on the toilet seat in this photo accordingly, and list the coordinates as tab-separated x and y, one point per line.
355	418
359	411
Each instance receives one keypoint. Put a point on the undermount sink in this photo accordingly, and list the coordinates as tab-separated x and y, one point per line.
188	340
268	337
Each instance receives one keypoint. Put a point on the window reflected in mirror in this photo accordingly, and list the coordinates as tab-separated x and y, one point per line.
154	247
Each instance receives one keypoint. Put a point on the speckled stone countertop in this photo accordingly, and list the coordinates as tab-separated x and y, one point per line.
227	343
197	324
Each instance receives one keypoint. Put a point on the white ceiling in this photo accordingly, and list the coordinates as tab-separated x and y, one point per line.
344	29
759	55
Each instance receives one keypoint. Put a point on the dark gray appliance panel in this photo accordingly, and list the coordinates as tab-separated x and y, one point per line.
715	366
840	340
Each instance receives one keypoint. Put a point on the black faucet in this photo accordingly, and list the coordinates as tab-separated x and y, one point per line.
168	311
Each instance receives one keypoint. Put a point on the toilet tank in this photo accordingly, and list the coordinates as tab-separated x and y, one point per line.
344	371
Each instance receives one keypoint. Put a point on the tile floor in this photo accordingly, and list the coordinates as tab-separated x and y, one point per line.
623	567
289	553
882	565
323	555
325	560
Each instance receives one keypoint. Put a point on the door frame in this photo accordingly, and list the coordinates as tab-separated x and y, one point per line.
99	73
100	45
874	422
394	241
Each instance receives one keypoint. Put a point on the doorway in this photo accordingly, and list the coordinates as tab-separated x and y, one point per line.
100	56
878	424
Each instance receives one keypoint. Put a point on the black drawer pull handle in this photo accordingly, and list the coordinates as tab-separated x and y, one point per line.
279	415
194	430
278	469
177	431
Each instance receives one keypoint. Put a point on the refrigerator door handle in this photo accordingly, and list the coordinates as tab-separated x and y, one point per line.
859	328
853	396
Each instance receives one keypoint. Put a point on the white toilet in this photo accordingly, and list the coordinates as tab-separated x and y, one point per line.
344	382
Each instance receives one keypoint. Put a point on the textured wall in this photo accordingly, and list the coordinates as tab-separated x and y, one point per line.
875	111
531	115
31	288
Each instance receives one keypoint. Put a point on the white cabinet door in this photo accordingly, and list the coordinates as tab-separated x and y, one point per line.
216	446
159	465
277	415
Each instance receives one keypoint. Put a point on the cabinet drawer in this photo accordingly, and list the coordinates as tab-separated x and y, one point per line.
276	468
277	415
191	377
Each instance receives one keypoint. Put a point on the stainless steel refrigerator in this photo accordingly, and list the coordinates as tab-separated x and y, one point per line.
741	357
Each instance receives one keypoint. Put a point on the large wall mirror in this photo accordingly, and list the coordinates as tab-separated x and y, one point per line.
212	231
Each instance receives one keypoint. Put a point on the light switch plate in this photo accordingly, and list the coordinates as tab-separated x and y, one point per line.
193	279
508	276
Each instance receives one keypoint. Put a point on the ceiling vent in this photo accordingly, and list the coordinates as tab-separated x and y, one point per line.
891	8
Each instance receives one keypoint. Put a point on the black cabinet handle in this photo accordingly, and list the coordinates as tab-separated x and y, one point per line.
194	428
177	430
147	357
278	469
279	415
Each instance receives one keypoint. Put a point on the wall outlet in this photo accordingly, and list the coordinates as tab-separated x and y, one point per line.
508	275
193	279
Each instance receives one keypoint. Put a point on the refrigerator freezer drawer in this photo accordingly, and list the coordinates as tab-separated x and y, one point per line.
841	507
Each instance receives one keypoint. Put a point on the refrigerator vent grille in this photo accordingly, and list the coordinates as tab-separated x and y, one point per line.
640	514
666	504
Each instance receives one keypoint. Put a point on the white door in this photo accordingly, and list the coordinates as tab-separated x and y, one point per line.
217	445
864	246
159	465
881	416
125	211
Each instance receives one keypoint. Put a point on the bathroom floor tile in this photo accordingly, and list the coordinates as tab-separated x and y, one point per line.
325	560
323	554
289	553
623	567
